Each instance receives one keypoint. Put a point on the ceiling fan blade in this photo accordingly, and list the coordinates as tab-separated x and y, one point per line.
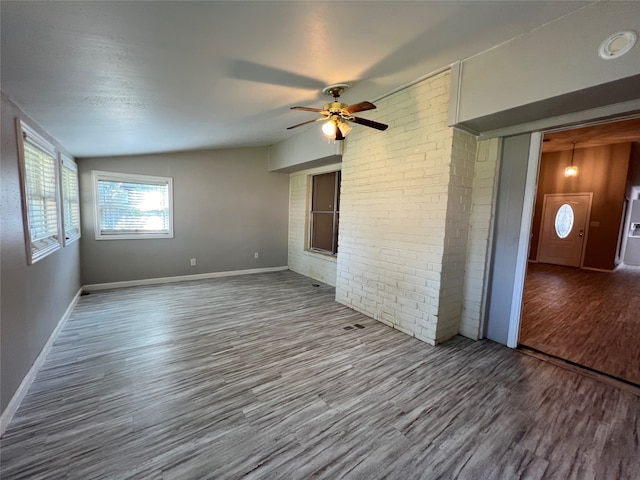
308	109
370	123
304	123
359	107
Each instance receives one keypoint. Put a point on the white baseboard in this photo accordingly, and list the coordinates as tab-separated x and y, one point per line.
22	390
180	278
597	269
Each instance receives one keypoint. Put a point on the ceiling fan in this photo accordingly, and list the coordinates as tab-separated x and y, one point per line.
338	114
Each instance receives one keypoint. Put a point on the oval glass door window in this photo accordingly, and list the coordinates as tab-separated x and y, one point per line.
564	221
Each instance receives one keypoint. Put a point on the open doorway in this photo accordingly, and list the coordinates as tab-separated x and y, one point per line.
581	298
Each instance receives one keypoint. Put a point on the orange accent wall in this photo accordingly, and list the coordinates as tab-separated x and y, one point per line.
601	170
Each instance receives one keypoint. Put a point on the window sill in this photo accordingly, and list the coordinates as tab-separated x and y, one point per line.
71	239
321	252
134	236
37	254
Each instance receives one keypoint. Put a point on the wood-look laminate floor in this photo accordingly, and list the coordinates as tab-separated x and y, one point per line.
255	377
587	317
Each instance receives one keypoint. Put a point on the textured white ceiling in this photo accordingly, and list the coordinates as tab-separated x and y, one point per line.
114	78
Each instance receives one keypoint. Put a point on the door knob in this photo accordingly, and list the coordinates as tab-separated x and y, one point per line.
581	234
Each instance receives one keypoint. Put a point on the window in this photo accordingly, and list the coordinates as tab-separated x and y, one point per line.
325	208
564	221
70	200
38	169
132	206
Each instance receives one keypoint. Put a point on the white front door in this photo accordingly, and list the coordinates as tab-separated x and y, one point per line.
564	228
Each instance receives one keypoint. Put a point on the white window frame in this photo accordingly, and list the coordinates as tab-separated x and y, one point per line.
130	178
40	248
72	232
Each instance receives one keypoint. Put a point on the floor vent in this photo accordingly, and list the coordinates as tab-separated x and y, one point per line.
357	325
348	327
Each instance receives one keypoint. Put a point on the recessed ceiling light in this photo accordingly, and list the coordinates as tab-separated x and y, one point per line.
617	44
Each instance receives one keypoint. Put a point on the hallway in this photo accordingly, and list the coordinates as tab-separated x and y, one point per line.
586	317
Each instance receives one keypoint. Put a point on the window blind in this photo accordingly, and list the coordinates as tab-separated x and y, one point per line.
70	200
40	194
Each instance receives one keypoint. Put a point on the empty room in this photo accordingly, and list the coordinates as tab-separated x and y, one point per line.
293	240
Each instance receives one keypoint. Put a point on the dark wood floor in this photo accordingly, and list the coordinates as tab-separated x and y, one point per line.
589	318
255	377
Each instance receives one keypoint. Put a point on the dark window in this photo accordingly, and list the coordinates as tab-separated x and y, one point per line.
325	208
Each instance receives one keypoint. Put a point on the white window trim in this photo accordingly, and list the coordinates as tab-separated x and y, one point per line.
129	177
69	237
36	253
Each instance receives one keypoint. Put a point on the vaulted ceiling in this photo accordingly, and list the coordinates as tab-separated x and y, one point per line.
113	78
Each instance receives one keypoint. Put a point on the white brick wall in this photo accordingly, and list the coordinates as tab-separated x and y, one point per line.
482	211
457	227
416	208
396	191
312	264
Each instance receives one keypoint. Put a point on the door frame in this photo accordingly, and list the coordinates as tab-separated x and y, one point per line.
586	226
524	242
635	194
526	225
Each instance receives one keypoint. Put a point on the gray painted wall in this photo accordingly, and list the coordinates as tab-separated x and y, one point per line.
510	202
552	70
33	297
226	207
308	149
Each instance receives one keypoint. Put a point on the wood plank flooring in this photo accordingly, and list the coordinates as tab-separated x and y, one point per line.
587	317
255	377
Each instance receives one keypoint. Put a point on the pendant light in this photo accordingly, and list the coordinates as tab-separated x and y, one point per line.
571	170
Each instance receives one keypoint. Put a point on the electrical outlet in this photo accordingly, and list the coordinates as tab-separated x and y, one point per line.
193	262
256	255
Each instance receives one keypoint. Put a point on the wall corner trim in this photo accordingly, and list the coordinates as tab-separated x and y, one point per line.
28	379
454	95
180	278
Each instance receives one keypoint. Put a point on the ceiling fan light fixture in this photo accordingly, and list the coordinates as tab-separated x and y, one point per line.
337	115
329	128
344	127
